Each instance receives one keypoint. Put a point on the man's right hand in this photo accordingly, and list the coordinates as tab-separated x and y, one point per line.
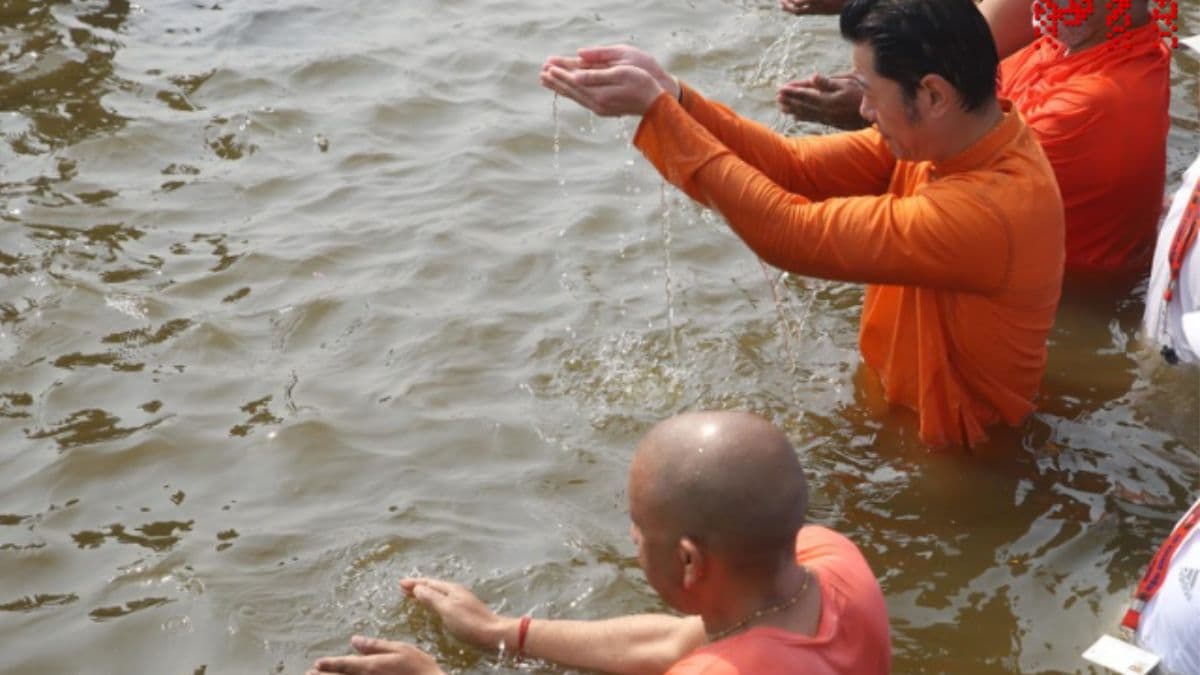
378	657
832	100
464	615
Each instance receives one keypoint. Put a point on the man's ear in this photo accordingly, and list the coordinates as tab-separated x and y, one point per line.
940	97
692	560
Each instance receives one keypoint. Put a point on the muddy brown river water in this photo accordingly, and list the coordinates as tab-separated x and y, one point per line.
297	298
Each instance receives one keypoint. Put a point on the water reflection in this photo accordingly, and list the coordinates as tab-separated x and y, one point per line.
56	68
301	279
84	427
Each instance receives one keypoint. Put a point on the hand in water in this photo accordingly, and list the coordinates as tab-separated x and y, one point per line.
832	100
611	80
379	657
463	614
812	6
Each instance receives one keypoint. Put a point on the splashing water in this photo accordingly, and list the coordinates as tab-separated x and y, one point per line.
774	65
788	328
776	58
666	234
558	172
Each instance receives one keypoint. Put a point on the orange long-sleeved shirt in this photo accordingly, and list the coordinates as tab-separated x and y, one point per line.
1101	116
964	258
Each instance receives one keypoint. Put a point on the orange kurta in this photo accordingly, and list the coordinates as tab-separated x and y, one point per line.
964	258
1101	116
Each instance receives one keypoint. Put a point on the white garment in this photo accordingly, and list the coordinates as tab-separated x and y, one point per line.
1170	623
1186	298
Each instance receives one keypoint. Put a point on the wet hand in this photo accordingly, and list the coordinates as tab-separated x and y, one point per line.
625	55
464	615
607	91
378	657
812	6
832	100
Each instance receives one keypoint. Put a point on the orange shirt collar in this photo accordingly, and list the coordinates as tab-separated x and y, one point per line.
985	148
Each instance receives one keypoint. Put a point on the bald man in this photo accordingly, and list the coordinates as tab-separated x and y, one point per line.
718	503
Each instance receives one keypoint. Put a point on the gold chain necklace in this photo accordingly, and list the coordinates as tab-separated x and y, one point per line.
758	614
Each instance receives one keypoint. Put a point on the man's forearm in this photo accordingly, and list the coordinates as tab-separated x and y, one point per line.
641	644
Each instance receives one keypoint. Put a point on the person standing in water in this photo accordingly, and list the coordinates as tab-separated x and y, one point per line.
718	503
947	208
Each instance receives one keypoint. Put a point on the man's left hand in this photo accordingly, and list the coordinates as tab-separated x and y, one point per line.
379	657
832	100
608	92
802	7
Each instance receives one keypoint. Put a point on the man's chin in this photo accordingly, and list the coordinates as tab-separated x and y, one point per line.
893	148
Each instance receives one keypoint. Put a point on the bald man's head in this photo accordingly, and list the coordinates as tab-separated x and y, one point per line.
730	481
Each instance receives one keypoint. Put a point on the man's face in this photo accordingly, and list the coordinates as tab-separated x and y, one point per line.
1071	22
884	105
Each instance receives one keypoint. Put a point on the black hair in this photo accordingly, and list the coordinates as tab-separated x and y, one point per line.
914	38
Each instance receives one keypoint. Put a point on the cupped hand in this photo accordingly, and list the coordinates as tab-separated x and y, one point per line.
378	657
607	90
833	100
625	55
812	6
464	615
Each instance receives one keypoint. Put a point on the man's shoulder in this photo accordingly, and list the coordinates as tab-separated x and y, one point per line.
756	651
821	548
814	540
841	565
700	663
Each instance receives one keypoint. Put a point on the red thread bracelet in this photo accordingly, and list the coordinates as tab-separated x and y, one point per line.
522	631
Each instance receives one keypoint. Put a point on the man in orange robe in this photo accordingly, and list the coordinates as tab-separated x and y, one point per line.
1095	92
1098	100
946	207
764	591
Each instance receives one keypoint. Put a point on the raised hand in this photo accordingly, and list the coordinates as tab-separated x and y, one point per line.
464	615
615	85
832	100
812	6
607	91
625	55
379	657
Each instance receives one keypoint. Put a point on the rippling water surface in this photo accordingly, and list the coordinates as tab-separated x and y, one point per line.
299	298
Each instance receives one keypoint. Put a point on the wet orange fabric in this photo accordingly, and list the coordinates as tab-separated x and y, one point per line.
852	636
964	258
1101	116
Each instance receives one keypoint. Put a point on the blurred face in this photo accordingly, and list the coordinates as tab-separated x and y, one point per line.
1071	22
884	105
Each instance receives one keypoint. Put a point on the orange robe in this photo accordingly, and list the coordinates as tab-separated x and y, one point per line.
1101	116
964	258
852	634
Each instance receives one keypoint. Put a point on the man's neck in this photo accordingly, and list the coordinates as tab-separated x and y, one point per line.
969	129
779	602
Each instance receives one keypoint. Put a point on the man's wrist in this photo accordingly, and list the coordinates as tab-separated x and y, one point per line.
504	631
